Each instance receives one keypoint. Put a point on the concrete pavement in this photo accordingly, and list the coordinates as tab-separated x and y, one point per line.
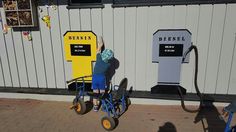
26	115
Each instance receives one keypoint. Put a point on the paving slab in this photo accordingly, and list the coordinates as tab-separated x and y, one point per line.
27	115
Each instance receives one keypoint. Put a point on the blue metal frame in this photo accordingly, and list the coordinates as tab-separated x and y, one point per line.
228	127
80	89
107	103
111	110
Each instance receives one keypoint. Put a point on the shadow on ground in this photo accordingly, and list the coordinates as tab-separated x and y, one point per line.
210	118
167	127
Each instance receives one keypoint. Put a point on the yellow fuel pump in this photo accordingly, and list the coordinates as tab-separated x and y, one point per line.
80	49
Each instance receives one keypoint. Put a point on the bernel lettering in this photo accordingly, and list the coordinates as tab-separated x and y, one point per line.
79	37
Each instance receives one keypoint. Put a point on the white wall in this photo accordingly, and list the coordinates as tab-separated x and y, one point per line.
128	31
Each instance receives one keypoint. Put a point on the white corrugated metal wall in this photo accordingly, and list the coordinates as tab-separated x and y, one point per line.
128	31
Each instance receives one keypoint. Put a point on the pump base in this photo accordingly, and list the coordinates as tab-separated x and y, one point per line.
167	89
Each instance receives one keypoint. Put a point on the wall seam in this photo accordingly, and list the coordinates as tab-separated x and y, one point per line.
124	42
14	50
113	41
135	47
222	39
186	16
4	81
44	64
9	67
53	56
173	23
102	20
69	19
199	14
35	68
231	66
59	18
80	24
209	42
91	24
26	69
147	31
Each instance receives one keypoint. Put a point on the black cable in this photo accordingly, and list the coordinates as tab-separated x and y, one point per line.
193	47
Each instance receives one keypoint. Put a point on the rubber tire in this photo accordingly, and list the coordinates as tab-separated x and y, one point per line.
80	106
108	123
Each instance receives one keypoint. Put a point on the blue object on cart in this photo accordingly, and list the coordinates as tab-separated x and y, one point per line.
231	108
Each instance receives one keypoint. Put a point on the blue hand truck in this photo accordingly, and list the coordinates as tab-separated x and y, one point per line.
114	102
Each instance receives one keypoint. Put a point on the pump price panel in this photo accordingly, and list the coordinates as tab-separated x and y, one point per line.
80	49
171	50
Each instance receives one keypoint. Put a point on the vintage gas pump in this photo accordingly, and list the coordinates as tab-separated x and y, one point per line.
171	48
80	49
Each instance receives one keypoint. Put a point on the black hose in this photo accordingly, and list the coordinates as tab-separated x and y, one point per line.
195	82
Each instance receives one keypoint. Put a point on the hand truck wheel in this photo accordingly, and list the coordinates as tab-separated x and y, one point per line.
108	123
79	106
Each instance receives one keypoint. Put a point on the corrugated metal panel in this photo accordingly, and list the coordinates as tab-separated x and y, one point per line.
4	56
85	16
2	79
108	34
232	81
56	38
202	43
214	47
119	41
96	21
11	56
75	19
108	26
39	59
141	49
30	63
48	51
128	31
227	50
130	48
22	64
63	14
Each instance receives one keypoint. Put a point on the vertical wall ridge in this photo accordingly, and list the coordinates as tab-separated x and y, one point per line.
208	50
231	65
26	69
222	40
61	43
14	52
